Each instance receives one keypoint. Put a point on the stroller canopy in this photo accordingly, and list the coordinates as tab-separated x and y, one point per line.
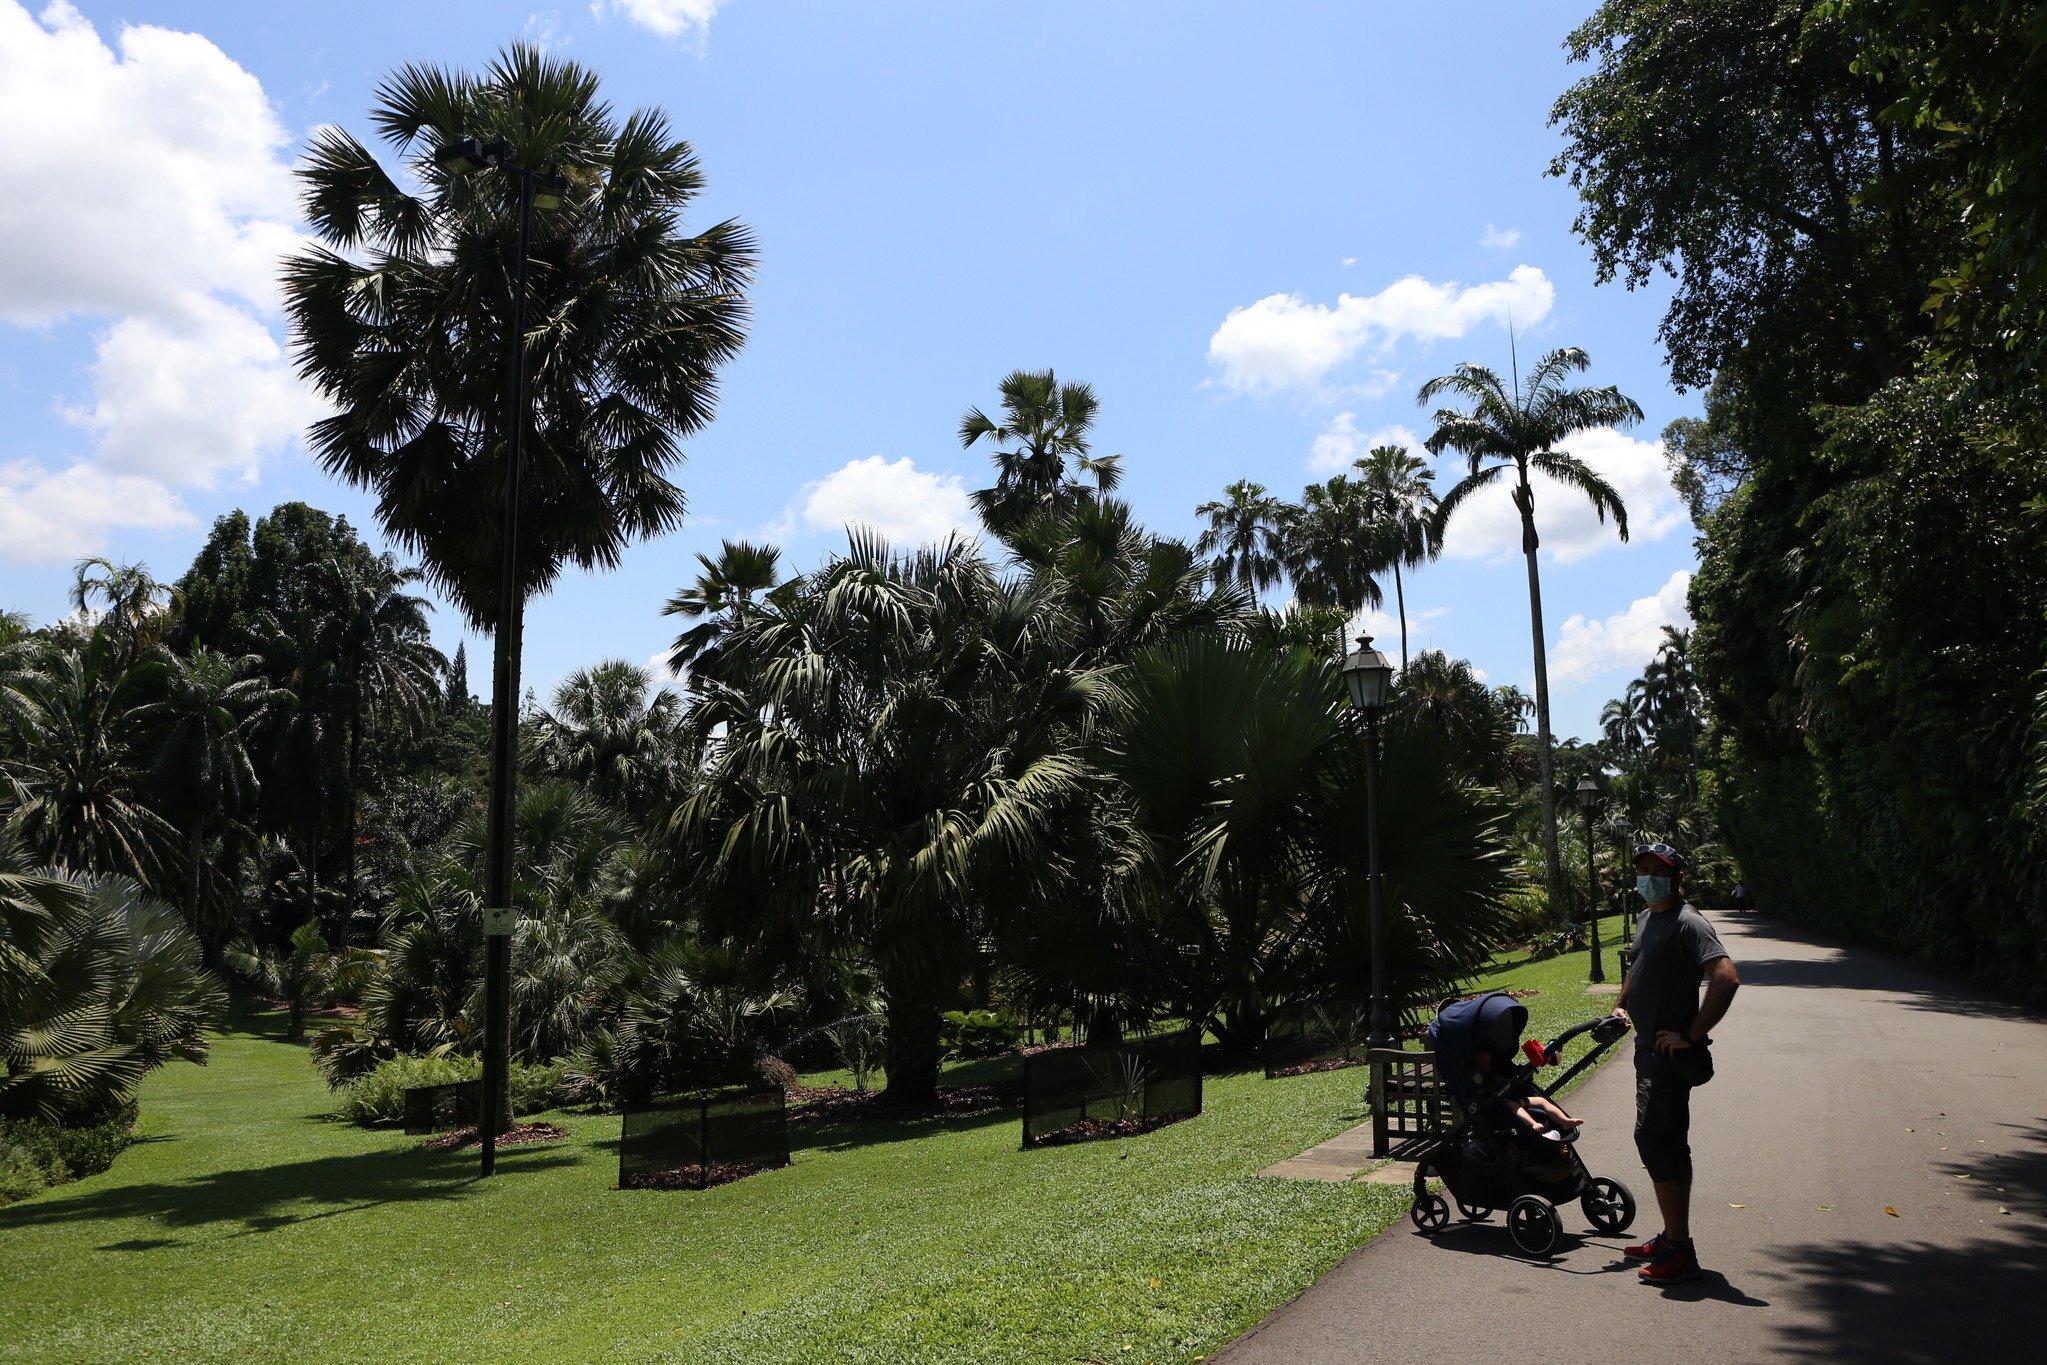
1491	1022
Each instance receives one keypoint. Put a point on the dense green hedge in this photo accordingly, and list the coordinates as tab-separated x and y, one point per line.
379	1097
35	1155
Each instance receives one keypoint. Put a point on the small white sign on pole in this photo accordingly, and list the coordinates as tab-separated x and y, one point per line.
498	921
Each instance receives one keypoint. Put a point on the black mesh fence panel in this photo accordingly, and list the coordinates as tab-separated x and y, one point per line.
1299	1036
440	1108
1156	1077
693	1141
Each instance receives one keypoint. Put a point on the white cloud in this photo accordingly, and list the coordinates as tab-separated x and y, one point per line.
689	19
1340	444
1284	341
186	398
1349	261
1488	527
1383	624
132	179
1503	239
659	672
147	184
46	517
1627	639
906	505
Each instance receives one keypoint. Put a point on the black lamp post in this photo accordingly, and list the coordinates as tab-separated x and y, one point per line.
543	190
1588	801
1368	675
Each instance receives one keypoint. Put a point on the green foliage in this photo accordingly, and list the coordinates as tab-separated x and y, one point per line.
36	1154
400	317
379	1096
976	1033
100	984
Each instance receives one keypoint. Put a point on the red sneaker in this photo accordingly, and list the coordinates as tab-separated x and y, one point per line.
1674	1265
1647	1251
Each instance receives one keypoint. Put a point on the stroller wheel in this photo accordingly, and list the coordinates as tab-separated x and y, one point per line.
1608	1205
1533	1224
1431	1213
1477	1213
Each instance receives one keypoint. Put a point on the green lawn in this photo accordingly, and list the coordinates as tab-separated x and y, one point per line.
246	1224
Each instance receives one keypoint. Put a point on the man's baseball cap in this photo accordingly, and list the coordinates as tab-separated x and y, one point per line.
1664	853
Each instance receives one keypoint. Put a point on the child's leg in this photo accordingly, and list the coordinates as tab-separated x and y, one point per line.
1554	1111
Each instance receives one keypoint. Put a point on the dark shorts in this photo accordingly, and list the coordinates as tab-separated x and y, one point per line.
1663	1126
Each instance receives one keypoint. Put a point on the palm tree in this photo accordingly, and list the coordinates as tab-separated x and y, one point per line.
1243	535
1043	423
1624	723
80	714
212	705
123	600
719	599
100	983
1401	489
400	318
1333	547
607	736
1500	429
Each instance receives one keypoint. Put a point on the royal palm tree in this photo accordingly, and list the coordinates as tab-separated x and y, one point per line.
1044	423
718	600
1333	546
401	319
1401	489
1243	536
1504	430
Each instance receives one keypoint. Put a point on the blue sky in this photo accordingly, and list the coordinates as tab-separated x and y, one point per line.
1255	230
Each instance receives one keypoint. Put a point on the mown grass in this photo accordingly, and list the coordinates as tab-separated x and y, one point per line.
247	1223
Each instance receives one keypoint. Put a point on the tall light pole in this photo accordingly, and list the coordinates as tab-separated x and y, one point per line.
1368	675
542	190
1588	801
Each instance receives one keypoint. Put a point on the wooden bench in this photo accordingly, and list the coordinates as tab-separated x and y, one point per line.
1410	1106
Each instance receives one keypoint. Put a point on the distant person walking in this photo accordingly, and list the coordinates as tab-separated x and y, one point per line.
1675	949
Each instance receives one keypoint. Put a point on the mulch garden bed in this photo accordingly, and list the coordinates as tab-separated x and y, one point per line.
1095	1130
695	1177
834	1104
518	1135
1322	1064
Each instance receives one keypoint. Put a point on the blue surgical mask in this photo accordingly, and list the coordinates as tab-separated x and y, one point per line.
1654	890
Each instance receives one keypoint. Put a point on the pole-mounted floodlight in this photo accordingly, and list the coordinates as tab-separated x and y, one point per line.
537	190
1588	794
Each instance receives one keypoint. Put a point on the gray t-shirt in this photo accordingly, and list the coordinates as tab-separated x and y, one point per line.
1672	948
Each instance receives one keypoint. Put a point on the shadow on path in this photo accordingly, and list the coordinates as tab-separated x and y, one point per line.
1913	1301
1861	969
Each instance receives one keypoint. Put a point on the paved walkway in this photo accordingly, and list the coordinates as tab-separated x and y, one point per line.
1849	1085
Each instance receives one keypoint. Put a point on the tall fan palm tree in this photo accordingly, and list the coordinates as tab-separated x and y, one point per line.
400	318
1504	430
1333	547
607	736
1401	489
1243	536
1044	423
719	599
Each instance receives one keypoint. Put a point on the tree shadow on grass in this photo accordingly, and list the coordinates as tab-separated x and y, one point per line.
264	1198
1915	1301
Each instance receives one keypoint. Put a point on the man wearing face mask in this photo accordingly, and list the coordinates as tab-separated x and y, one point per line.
1675	949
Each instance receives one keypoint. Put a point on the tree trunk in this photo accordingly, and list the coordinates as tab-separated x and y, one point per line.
911	1056
354	800
1553	866
1400	596
192	913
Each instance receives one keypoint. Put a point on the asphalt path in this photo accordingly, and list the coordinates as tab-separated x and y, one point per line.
1867	1126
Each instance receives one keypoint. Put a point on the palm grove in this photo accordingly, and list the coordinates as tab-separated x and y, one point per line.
1071	770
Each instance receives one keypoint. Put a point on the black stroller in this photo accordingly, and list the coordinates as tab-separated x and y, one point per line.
1482	1161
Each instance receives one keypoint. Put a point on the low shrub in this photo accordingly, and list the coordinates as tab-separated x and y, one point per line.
379	1097
35	1155
977	1033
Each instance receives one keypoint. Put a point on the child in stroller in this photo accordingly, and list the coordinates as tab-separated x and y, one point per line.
1510	1145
